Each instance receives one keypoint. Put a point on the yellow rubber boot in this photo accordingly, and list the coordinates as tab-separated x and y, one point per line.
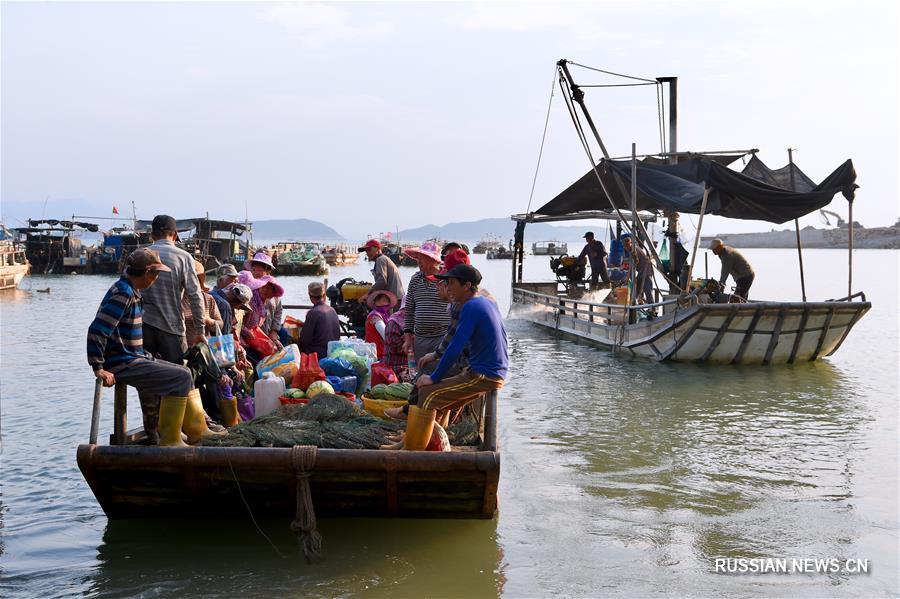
229	411
419	426
194	425
171	415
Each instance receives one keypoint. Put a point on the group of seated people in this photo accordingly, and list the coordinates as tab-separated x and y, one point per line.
443	331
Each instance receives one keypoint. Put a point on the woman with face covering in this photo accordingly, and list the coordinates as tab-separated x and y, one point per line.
264	288
381	303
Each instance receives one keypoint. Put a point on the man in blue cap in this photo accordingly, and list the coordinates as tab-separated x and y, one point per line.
596	255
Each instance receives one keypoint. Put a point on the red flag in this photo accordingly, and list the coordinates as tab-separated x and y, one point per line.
115	210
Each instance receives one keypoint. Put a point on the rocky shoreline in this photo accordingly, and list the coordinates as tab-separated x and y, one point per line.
811	237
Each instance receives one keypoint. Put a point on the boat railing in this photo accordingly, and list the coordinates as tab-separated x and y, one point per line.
595	310
850	298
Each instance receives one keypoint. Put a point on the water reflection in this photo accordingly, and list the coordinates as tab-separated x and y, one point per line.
362	557
689	462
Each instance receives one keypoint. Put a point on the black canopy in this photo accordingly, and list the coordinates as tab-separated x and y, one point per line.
758	193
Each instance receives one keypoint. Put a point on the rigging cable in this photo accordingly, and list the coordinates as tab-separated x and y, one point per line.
610	72
543	138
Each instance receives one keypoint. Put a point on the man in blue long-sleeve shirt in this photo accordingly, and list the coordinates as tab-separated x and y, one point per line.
480	328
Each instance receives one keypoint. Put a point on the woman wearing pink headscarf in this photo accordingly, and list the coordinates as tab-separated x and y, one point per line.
264	288
380	303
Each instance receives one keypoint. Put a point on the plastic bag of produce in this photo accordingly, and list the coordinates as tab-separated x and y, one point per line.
308	373
382	373
260	343
284	363
338	367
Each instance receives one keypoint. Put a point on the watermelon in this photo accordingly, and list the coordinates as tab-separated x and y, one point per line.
398	391
319	387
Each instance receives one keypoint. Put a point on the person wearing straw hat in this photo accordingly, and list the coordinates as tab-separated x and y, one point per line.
381	303
261	265
734	264
427	314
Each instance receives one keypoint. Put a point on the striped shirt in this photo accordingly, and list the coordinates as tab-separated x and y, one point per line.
426	312
115	337
162	301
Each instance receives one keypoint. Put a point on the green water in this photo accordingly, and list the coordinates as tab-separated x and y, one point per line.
619	477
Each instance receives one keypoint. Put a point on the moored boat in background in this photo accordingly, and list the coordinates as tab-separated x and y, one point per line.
13	265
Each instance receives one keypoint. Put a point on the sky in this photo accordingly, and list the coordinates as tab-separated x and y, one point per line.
375	116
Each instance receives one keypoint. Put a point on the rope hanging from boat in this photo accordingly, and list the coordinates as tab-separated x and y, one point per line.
543	138
303	460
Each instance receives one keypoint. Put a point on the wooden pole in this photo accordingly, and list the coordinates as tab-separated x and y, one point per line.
697	238
797	226
95	415
850	252
633	299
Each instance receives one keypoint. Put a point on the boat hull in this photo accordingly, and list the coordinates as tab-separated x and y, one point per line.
140	482
11	276
748	333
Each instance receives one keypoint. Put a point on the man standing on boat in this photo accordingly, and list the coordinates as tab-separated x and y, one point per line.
643	270
734	264
115	348
596	255
386	273
163	318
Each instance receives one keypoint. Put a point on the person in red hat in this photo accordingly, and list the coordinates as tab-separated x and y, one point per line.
386	273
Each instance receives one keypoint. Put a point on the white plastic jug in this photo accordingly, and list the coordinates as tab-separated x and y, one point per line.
266	392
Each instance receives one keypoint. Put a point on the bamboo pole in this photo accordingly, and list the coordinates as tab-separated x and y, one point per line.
95	415
632	300
697	239
797	226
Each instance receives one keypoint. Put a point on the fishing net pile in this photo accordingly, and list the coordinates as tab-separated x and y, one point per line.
326	421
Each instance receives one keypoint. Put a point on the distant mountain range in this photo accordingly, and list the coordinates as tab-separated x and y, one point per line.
498	227
298	229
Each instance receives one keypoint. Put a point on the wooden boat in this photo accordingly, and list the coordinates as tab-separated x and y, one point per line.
486	243
500	253
688	331
133	481
340	255
54	246
13	265
301	258
684	324
549	248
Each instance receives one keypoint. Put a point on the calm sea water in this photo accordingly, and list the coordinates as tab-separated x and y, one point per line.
619	477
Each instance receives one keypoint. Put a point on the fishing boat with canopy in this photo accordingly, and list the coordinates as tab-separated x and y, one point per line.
685	322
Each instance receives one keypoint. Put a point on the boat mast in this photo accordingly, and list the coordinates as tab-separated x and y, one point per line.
797	224
577	94
672	229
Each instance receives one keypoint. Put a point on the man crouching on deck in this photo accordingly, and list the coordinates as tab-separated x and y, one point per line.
115	348
480	327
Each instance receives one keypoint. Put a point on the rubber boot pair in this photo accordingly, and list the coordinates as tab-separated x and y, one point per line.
177	414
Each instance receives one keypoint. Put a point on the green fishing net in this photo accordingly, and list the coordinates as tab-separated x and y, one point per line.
326	421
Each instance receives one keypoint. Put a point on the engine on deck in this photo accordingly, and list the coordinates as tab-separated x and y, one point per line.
346	297
569	270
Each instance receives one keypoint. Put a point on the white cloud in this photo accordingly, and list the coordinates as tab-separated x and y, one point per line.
319	24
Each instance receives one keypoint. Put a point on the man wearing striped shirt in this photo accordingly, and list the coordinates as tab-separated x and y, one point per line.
115	347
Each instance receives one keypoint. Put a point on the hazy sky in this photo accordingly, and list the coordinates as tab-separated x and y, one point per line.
368	116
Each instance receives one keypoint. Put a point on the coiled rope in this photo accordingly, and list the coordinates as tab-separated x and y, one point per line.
303	460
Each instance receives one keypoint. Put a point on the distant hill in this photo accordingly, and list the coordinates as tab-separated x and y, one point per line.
499	227
298	229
